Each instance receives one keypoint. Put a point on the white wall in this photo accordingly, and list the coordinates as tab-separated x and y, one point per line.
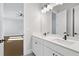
35	21
12	23
10	9
1	31
0	19
12	27
31	24
46	22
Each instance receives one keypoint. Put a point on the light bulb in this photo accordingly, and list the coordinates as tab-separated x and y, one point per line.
44	10
49	7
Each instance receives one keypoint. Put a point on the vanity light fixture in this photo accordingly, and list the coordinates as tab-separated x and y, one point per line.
49	7
44	10
19	13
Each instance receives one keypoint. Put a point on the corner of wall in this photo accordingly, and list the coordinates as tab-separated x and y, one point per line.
27	52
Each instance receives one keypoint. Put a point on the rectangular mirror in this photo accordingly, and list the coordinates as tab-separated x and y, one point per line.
63	18
76	20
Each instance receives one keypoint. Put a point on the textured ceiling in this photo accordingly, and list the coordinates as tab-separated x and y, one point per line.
59	8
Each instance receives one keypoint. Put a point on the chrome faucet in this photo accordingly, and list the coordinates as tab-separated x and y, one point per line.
65	35
45	33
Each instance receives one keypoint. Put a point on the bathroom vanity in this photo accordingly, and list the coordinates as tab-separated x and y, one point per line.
54	46
64	22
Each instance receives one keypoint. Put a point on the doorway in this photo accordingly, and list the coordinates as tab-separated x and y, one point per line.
12	25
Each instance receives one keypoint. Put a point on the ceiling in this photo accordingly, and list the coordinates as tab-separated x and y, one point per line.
10	8
59	8
62	7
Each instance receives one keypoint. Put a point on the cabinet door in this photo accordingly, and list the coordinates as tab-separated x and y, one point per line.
56	54
37	47
34	47
40	50
48	52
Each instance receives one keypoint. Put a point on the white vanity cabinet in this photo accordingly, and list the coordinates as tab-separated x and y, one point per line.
37	47
47	52
60	50
42	47
50	52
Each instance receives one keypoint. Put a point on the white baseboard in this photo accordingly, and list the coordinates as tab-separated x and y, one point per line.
28	52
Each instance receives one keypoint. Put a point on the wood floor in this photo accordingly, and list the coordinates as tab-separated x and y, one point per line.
13	48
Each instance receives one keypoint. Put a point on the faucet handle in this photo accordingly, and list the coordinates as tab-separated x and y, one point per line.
75	33
44	33
47	32
66	33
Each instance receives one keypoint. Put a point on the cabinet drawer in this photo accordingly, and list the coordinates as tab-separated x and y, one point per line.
50	52
65	51
37	39
37	47
34	42
60	49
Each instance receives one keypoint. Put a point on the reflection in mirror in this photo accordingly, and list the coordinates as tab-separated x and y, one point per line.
76	21
60	19
69	13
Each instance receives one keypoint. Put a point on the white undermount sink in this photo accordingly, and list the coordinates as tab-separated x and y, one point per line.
61	40
65	42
